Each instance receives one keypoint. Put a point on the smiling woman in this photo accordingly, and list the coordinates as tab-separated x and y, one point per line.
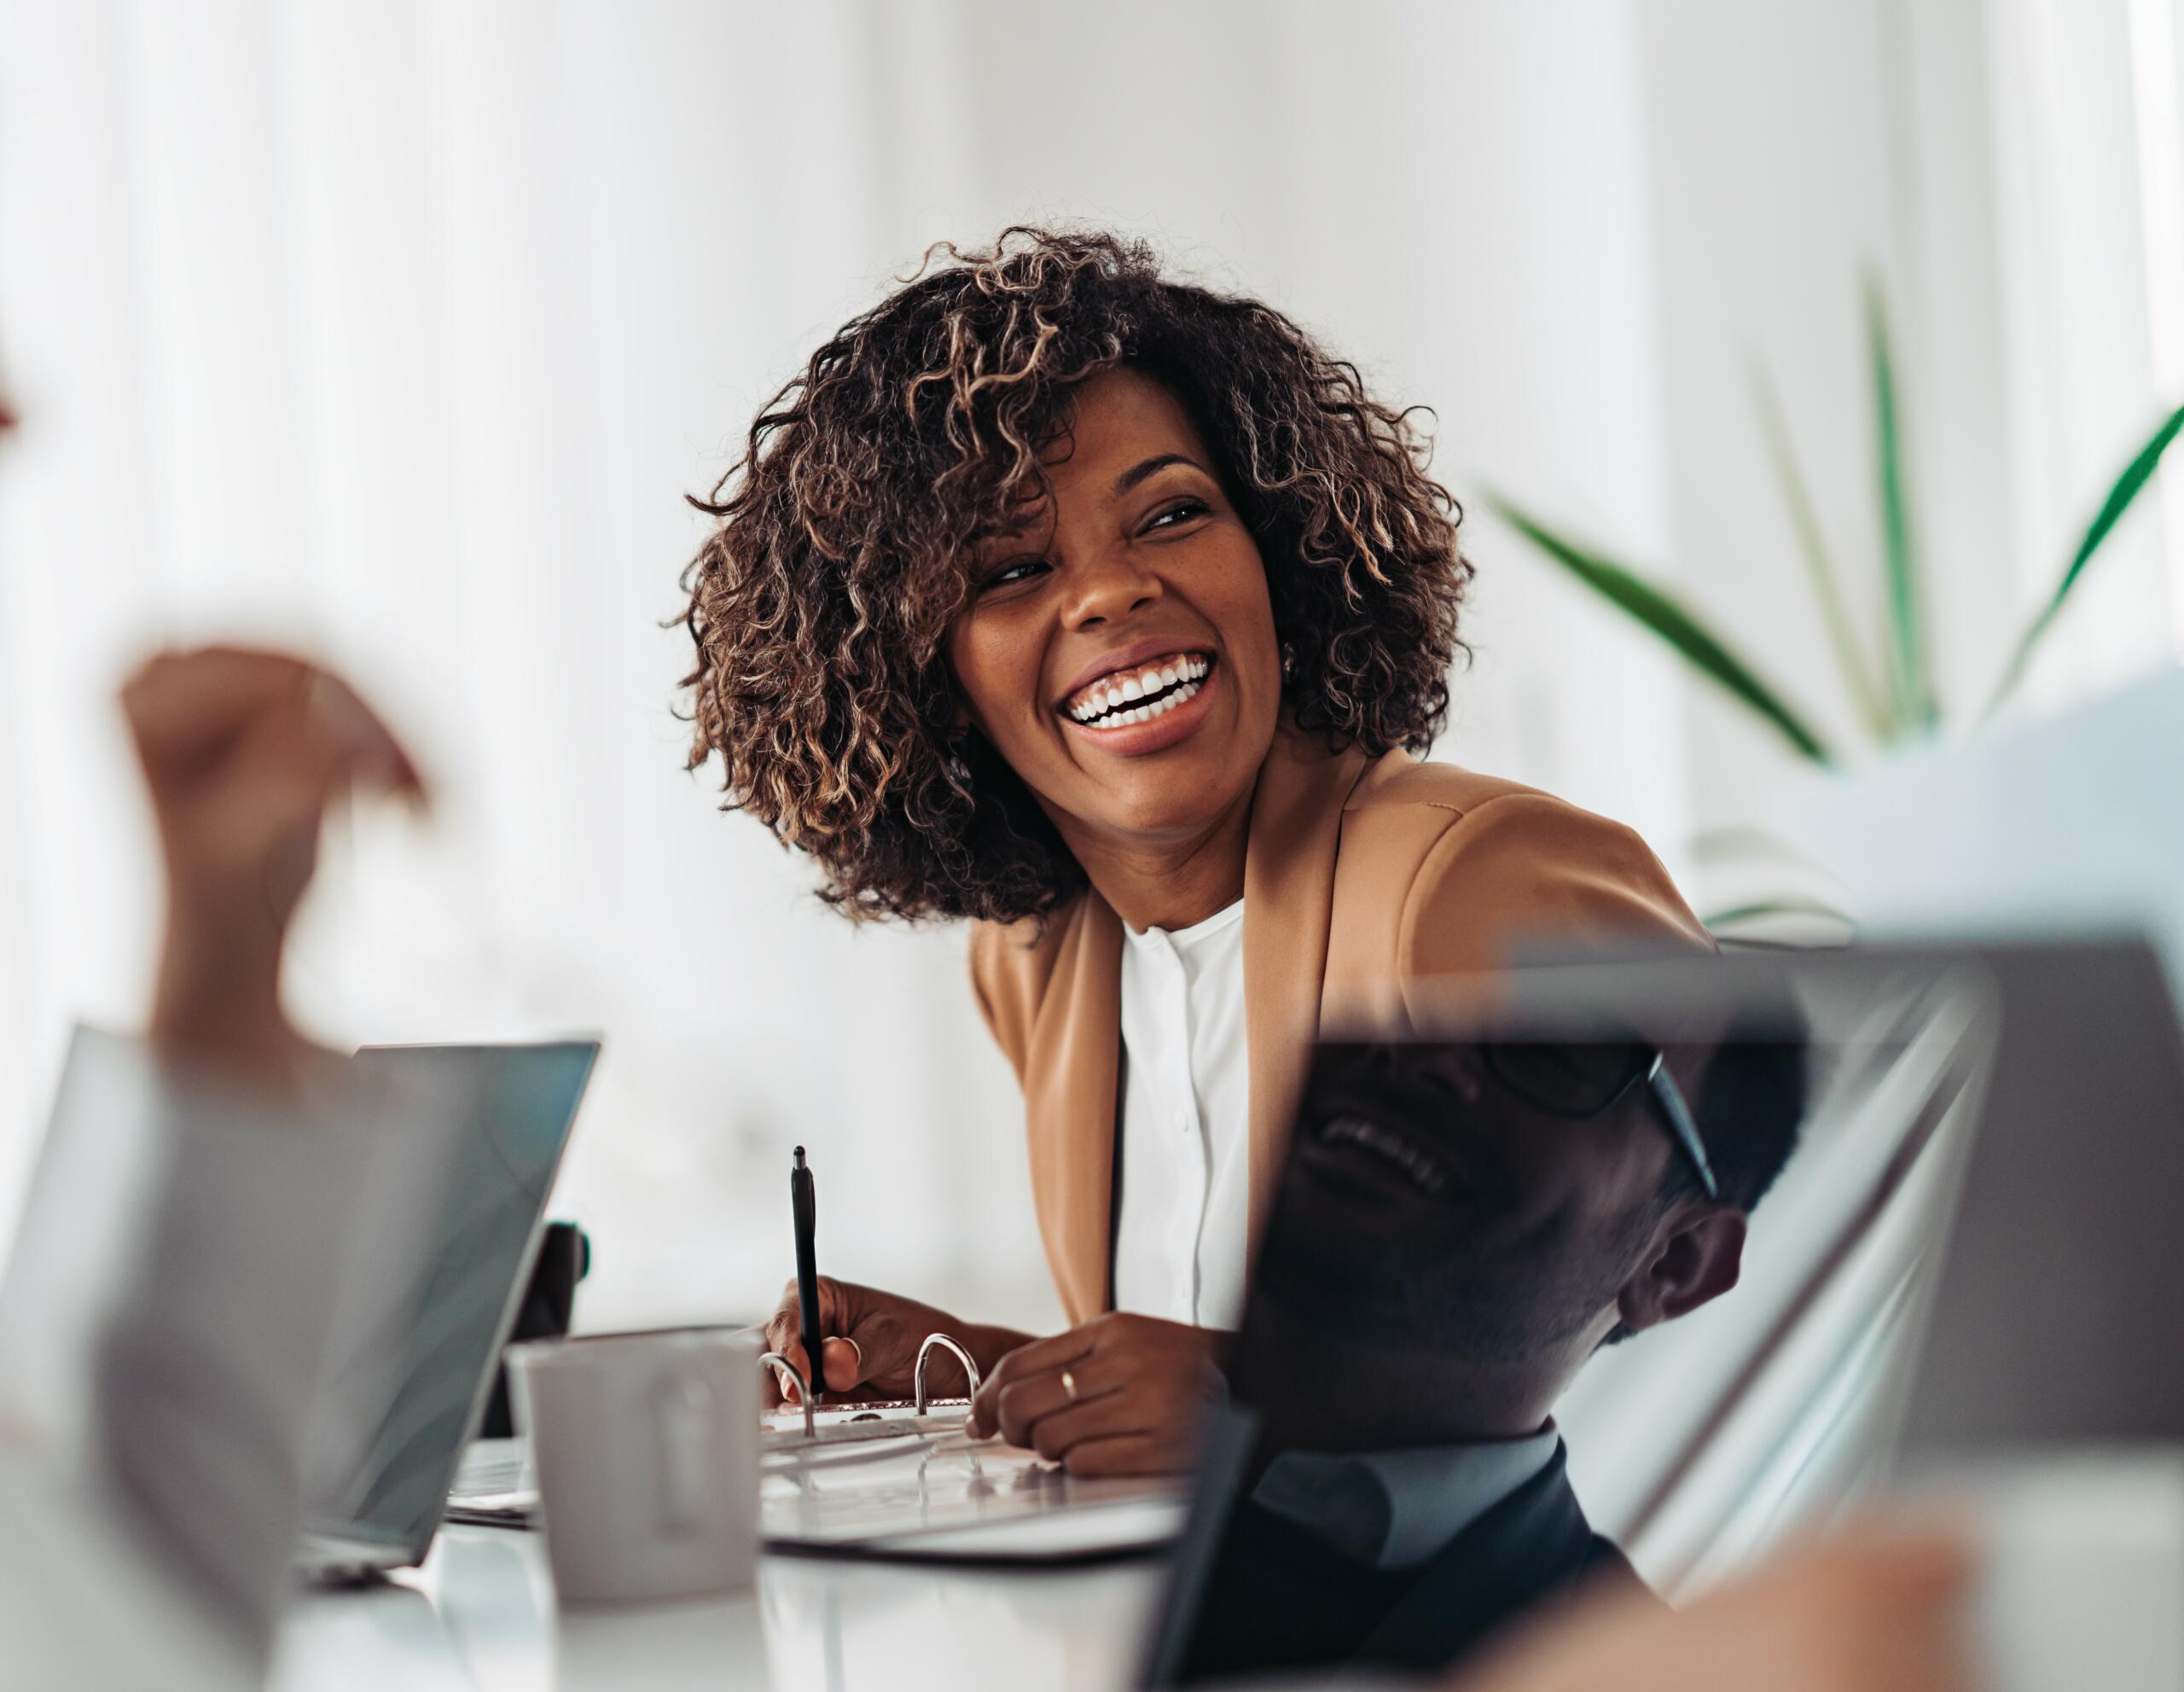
1108	611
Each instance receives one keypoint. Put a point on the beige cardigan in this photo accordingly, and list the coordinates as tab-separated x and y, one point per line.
1363	878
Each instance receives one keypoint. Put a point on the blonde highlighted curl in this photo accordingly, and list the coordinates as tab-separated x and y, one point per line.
820	605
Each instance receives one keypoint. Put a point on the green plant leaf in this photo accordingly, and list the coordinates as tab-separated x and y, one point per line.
1911	681
1775	431
2127	487
1777	907
1660	612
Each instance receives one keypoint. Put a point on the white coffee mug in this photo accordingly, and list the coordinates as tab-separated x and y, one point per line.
646	1446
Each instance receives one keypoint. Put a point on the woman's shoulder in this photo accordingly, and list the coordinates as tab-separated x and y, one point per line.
1403	807
1396	780
1445	870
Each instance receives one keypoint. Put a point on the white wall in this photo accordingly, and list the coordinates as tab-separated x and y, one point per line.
400	328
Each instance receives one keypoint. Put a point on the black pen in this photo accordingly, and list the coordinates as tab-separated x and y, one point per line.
804	1203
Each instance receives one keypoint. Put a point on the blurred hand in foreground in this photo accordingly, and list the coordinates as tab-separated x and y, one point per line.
244	752
1873	1609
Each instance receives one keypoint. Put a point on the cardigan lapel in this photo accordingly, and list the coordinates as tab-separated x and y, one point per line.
1071	1067
1288	904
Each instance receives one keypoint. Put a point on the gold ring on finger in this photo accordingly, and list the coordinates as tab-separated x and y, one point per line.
1069	1385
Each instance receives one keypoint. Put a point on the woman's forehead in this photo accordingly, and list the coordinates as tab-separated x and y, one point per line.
1112	409
1118	426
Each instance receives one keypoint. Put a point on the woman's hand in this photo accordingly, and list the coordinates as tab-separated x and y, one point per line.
1121	1395
870	1350
1871	1609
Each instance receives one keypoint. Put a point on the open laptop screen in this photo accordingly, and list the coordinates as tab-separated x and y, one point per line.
432	1323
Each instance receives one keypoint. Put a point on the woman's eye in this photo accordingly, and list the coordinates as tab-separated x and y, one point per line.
1180	512
1008	575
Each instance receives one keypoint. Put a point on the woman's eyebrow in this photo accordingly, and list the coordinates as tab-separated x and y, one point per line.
1138	472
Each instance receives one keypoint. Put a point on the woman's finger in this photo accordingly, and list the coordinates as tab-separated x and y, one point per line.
1024	1406
784	1382
785	1331
1109	1416
1050	1355
843	1360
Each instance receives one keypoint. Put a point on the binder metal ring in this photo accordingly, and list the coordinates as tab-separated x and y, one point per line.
802	1388
925	1351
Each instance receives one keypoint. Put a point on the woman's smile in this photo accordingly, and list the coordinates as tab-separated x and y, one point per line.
1145	707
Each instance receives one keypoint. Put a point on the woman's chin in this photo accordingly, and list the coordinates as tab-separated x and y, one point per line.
1178	794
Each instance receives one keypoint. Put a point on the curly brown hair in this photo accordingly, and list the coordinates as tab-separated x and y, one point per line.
820	603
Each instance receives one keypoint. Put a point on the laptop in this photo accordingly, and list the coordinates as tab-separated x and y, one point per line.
417	1340
181	1255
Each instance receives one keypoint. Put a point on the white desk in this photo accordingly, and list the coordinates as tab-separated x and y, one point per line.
479	1617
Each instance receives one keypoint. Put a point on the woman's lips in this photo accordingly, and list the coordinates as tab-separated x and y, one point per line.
1158	734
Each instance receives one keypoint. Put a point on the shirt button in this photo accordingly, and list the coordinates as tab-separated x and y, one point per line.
1183	1120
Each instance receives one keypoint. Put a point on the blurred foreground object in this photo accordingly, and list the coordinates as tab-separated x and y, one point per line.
180	1258
244	752
162	1327
2081	1558
2070	827
1874	1609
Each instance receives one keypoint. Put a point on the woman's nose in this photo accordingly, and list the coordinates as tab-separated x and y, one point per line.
1108	587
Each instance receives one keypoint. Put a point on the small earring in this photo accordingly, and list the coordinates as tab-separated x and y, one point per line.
1288	661
958	770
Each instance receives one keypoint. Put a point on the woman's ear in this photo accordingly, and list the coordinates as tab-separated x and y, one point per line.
1694	1260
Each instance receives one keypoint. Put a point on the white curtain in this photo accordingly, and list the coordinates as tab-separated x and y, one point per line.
398	330
2088	125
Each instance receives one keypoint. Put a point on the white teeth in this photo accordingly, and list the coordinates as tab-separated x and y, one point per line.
1113	704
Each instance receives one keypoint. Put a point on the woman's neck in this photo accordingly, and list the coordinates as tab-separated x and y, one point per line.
1170	883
